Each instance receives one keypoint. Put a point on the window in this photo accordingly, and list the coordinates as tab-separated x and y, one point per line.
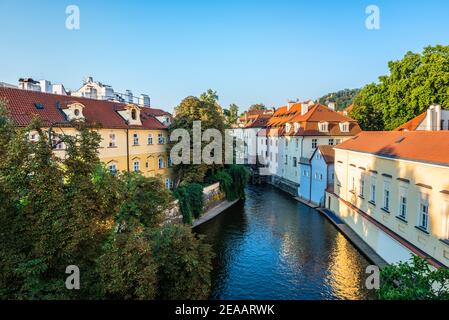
344	127
271	156
373	190
136	166
286	160
160	138
133	114
403	207
314	143
331	142
323	127
321	177
161	163
150	139
112	142
297	143
286	143
386	204
362	186
424	214
135	139
353	184
294	162
167	183
113	168
76	112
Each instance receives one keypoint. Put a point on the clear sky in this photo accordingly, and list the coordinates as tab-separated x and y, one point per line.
248	51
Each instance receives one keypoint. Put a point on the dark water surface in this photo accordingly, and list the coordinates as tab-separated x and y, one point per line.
272	247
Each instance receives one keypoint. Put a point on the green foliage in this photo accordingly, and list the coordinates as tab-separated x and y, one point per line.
190	197
232	114
233	181
342	98
257	106
206	110
57	212
414	83
127	267
414	280
186	274
146	200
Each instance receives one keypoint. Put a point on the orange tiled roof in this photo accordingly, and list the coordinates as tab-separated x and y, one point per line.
327	152
412	124
21	105
423	146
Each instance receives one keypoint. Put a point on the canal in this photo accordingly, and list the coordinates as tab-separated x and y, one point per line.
272	247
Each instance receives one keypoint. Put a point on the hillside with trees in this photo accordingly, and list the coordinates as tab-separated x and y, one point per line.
414	83
342	98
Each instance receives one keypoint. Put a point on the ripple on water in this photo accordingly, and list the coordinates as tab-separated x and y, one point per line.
272	247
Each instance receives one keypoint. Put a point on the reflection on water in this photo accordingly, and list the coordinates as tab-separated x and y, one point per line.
272	247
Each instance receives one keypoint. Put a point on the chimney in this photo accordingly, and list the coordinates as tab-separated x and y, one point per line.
144	100
438	117
430	119
331	106
304	108
290	104
129	96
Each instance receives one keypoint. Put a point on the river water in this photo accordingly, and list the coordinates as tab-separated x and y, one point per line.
270	246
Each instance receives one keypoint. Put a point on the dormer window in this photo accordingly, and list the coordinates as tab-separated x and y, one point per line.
74	111
131	113
344	126
287	127
323	126
296	126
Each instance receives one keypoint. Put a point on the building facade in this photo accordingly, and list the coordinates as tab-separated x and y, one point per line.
132	137
317	175
392	189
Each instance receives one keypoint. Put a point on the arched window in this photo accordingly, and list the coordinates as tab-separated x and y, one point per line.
76	112
161	163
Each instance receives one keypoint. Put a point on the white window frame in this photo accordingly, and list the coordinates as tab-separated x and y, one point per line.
386	203
161	163
136	166
424	202
373	189
403	203
135	139
150	139
160	138
314	143
112	140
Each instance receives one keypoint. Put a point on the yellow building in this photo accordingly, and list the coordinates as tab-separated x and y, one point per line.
392	189
133	139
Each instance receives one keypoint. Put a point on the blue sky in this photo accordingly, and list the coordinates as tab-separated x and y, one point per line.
249	51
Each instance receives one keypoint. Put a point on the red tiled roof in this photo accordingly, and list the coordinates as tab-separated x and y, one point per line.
327	152
412	124
423	146
21	105
260	121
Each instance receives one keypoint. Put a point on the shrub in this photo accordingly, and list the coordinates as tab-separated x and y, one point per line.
190	197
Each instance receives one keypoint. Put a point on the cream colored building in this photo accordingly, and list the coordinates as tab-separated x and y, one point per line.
133	139
392	189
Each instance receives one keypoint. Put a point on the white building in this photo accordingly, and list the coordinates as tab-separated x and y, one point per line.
294	133
434	119
41	86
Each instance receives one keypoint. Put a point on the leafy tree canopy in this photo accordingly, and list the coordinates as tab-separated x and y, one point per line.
414	83
257	106
342	98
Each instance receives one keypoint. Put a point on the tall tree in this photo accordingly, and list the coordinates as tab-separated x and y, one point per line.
232	114
207	110
342	98
414	83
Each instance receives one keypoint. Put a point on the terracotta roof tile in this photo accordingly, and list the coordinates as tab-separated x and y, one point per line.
422	146
327	152
412	124
22	107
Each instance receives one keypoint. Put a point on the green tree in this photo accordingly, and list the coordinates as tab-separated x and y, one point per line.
414	280
414	83
342	98
206	110
232	114
257	106
185	263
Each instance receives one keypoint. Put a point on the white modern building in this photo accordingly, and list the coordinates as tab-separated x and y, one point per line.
41	86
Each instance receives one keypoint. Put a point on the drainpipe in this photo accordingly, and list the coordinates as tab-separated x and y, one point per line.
127	149
310	185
